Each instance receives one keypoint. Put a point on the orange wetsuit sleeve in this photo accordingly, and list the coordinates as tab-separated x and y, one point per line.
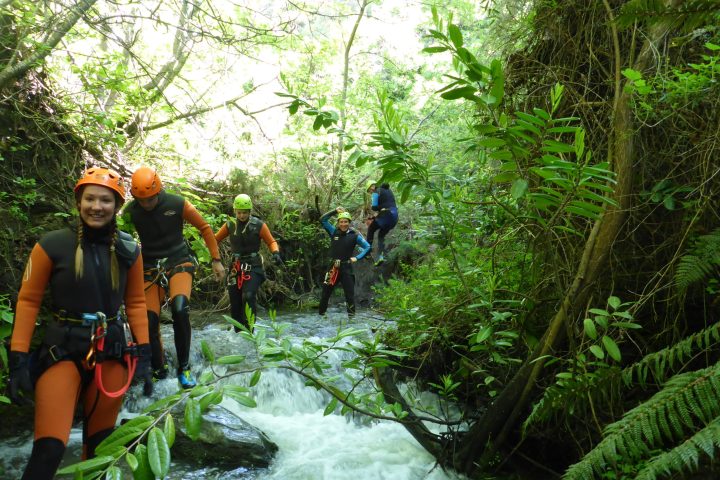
222	234
35	280
268	239
190	214
135	302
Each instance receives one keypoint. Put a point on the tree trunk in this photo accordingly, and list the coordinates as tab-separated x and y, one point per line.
11	72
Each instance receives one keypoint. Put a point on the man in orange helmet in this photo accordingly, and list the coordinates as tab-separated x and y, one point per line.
169	263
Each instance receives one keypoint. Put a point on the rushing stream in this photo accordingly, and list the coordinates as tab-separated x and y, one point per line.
312	446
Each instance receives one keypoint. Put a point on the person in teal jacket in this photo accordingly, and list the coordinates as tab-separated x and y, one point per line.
343	242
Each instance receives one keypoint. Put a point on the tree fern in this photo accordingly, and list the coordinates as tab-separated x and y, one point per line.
700	261
686	456
687	402
572	396
687	16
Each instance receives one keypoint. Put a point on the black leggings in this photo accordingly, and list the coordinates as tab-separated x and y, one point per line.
346	278
247	295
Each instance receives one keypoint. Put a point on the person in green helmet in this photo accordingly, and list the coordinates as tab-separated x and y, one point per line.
343	241
246	272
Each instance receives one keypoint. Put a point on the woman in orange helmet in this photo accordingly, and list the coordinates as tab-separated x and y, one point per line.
87	354
158	217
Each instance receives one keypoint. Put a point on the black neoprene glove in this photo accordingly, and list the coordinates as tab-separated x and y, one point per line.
21	386
277	259
143	370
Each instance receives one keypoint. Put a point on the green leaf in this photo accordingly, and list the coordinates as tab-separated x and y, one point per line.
132	461
631	325
483	334
632	75
169	430
207	351
330	407
530	118
85	466
590	329
193	418
231	359
612	348
597	351
435	49
504	177
212	398
318	122
490	142
243	400
614	302
142	472
158	453
518	189
293	107
255	378
462	92
124	433
455	35
113	473
162	403
669	202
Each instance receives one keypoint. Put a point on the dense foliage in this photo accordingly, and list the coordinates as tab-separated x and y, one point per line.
556	283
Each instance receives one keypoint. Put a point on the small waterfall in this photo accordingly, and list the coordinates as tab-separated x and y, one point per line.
312	446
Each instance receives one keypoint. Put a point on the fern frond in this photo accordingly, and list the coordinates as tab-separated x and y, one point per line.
668	416
701	260
688	16
663	363
686	456
573	396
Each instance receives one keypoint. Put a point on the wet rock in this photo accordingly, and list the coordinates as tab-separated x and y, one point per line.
225	441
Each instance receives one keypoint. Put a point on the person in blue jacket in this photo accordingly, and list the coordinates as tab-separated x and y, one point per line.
382	201
343	241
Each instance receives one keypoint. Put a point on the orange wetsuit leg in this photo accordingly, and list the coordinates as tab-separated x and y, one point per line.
100	411
56	395
154	297
181	283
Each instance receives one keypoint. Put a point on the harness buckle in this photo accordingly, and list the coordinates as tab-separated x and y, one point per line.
56	356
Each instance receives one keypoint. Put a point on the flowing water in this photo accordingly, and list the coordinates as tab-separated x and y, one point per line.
312	446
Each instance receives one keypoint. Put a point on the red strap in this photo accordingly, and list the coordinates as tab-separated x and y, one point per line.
334	272
241	274
130	361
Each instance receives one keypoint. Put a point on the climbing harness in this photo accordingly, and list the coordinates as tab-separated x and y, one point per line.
160	275
82	339
157	275
97	349
332	275
241	272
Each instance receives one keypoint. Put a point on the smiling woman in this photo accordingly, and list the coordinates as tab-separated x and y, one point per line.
87	353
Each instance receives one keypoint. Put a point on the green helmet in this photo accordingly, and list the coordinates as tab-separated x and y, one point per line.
345	215
242	202
369	184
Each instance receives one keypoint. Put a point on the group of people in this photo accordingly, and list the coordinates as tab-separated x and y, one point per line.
107	291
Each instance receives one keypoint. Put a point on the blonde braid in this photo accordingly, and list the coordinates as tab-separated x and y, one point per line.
114	266
79	253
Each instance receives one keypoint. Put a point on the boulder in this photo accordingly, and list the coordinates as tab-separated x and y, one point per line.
225	442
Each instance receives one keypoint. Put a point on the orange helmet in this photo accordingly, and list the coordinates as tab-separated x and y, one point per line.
103	177
145	183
